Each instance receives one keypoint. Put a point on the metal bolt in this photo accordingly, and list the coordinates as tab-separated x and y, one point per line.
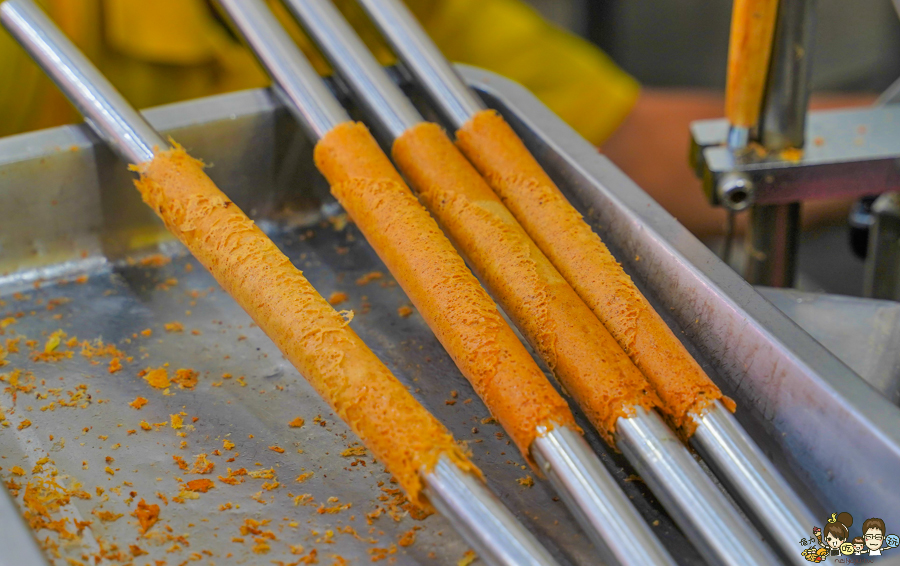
735	191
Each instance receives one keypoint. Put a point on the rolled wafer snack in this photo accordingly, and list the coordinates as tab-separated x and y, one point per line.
316	339
585	262
434	276
749	49
577	348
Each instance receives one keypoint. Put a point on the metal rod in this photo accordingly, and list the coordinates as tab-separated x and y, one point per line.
596	501
590	492
474	511
296	82
105	110
695	503
493	531
16	539
458	103
444	86
772	239
379	96
753	480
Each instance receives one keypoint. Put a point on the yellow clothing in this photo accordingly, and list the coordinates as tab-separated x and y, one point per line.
168	50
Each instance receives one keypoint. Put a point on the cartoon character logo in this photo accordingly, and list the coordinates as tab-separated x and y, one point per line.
833	539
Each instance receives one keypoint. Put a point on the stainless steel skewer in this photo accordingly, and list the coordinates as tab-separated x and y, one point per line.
486	524
733	456
587	487
700	508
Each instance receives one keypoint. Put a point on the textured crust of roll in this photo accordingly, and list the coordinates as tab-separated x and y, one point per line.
399	431
586	263
752	29
577	348
437	281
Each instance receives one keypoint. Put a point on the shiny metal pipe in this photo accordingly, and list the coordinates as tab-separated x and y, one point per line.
693	501
485	523
588	490
113	119
376	92
475	512
445	88
752	480
298	85
602	509
16	539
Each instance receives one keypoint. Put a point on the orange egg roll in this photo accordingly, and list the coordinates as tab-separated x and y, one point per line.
750	45
577	348
399	431
586	263
437	281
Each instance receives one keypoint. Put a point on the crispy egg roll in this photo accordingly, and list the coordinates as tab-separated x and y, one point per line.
452	302
585	262
316	339
749	49
577	348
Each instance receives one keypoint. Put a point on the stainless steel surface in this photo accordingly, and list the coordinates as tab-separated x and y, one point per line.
114	120
753	481
789	389
586	505
862	333
16	537
76	214
619	533
494	533
298	83
848	153
783	122
738	137
446	89
379	96
699	507
263	162
882	271
735	191
773	230
771	244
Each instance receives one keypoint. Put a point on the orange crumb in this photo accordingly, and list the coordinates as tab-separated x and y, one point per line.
369	277
138	403
296	423
278	449
337	298
158	378
146	514
404	311
202	485
115	365
174	326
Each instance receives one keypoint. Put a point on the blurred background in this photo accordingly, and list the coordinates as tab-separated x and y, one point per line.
630	76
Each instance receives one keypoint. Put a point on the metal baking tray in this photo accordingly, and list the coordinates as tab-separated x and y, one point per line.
68	209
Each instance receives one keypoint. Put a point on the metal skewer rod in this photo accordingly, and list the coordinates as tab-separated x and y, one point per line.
473	510
717	435
701	509
597	502
486	524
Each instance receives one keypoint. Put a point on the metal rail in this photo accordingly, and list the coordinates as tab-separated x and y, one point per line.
109	114
480	517
359	69
588	488
458	103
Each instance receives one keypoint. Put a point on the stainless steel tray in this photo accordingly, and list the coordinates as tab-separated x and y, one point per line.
68	209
